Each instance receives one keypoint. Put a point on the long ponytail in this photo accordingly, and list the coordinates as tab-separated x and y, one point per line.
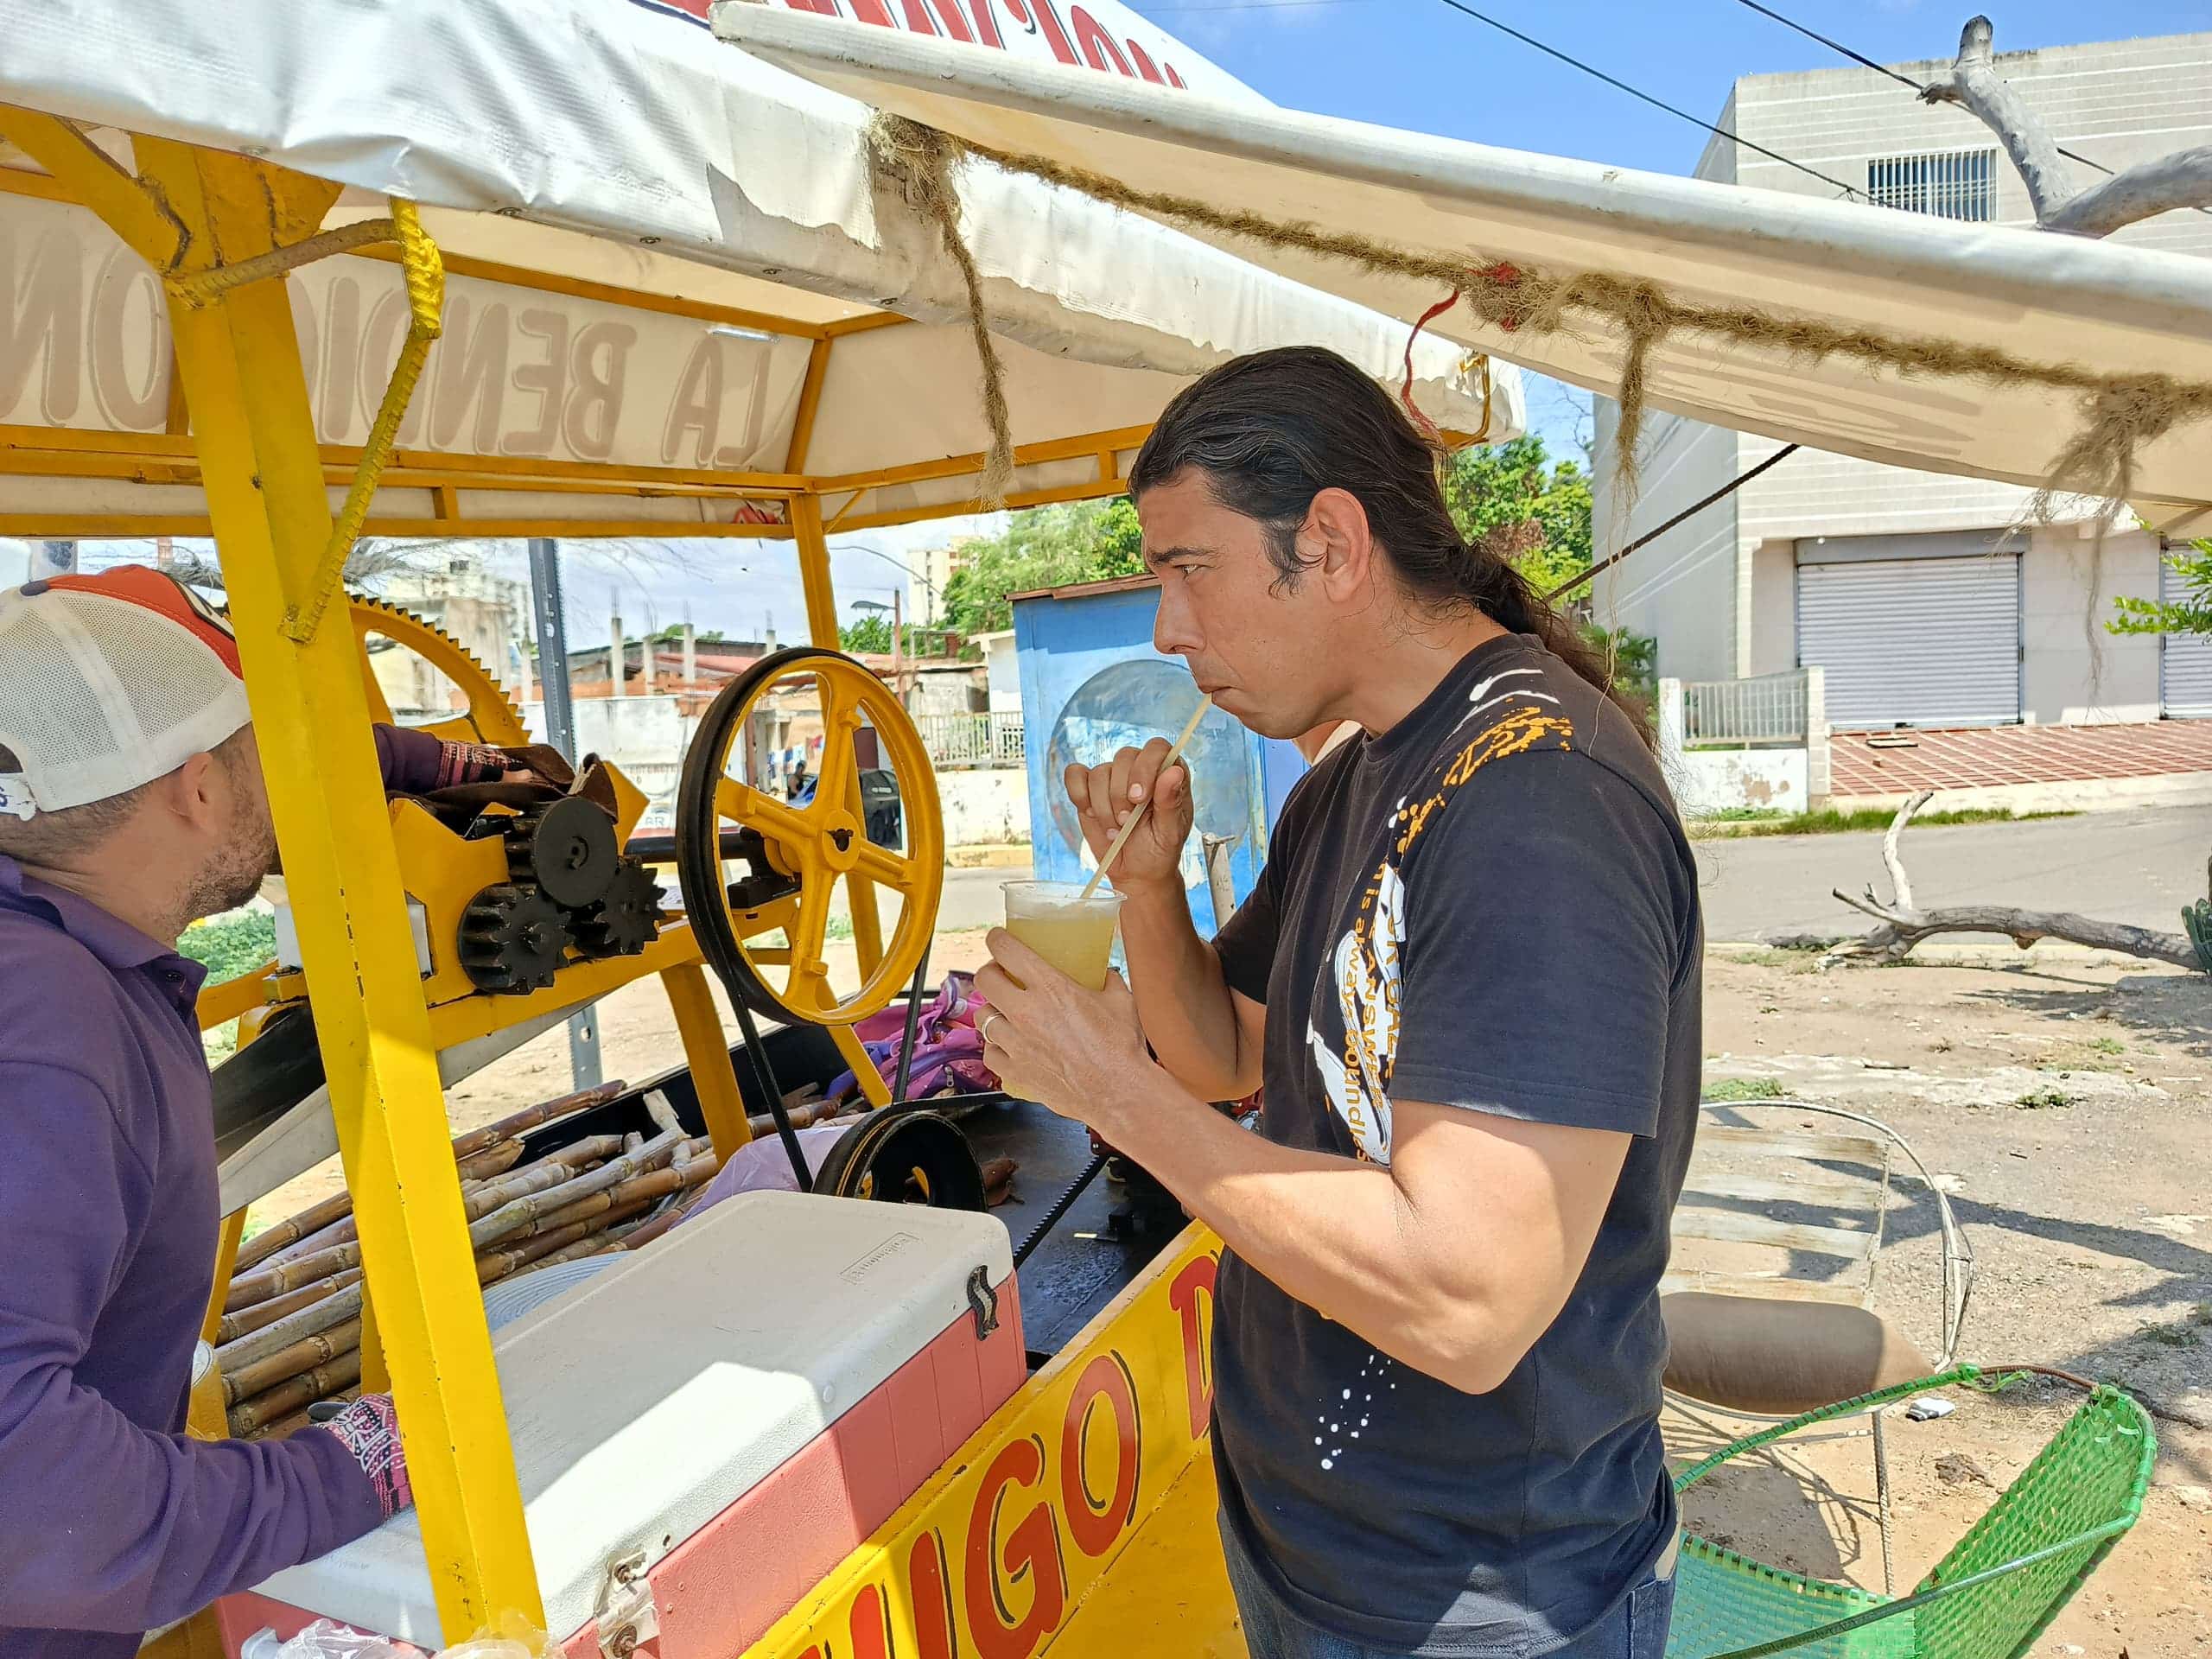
1273	429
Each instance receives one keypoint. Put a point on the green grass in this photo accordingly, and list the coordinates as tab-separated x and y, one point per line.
2047	1098
231	944
1793	962
1759	821
1727	1090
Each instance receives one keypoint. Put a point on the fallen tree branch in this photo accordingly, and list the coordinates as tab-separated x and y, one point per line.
1903	924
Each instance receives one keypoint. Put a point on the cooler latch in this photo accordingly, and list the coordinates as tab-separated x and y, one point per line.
628	1616
983	1302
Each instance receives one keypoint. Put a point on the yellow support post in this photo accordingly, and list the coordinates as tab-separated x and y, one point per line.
256	439
814	570
706	1051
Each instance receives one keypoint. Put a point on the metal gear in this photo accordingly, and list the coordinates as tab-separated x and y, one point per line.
566	848
511	940
628	919
490	716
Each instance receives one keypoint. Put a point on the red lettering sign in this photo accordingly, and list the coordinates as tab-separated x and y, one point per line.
871	1630
933	1629
1031	1550
1197	1360
1095	1524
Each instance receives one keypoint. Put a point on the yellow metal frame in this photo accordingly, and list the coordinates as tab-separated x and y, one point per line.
220	230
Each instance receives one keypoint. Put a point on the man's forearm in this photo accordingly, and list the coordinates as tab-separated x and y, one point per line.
1340	1237
1182	999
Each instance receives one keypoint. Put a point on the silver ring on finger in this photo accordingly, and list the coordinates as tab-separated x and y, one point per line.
984	1028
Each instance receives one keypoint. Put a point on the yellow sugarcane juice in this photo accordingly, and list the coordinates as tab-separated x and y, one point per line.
1073	932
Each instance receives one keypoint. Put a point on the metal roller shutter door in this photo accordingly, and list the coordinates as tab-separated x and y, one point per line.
1914	642
2184	661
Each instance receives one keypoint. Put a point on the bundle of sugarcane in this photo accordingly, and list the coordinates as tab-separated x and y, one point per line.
292	1327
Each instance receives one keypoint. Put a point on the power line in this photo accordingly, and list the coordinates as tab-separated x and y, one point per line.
1902	80
1655	103
1653	535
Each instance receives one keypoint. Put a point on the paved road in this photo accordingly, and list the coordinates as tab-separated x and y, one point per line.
2139	866
972	898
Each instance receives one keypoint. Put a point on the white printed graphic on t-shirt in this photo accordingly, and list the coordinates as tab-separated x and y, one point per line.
1368	973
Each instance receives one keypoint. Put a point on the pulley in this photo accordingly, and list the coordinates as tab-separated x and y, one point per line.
762	903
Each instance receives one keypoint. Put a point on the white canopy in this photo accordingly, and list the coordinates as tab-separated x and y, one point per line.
649	233
2043	298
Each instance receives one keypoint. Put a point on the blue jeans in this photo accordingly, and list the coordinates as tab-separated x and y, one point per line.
1636	1629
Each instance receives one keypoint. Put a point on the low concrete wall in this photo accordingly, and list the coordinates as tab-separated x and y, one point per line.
1712	781
1771	778
984	806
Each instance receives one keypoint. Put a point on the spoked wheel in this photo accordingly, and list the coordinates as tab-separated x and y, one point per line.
762	875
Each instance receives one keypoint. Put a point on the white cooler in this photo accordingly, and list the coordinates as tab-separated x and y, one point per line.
825	1346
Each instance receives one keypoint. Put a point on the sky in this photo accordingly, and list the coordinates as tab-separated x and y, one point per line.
1420	65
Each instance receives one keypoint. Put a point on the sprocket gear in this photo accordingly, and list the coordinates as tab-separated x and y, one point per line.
490	716
628	919
566	848
511	940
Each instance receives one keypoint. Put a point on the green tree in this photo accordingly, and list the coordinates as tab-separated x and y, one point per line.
2191	613
868	633
1044	547
1532	510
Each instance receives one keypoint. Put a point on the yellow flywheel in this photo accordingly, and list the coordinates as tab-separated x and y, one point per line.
487	714
762	868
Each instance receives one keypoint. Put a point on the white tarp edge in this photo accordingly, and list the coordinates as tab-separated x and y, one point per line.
637	129
2047	298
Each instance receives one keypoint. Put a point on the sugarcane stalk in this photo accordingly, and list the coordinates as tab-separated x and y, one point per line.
523	1210
274	1338
542	1244
296	1392
491	1161
278	1238
286	1276
267	1243
234	1326
655	1184
264	1375
530	1117
337	1232
282	1428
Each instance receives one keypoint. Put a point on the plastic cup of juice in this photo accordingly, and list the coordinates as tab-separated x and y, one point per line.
1075	934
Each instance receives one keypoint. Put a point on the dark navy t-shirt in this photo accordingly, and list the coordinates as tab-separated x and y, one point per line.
1490	905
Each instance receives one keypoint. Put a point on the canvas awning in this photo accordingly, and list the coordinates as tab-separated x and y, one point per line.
672	278
2025	296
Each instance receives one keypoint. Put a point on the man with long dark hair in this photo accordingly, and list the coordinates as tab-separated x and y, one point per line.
1469	981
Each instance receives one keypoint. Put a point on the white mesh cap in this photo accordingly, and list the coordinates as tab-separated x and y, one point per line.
108	682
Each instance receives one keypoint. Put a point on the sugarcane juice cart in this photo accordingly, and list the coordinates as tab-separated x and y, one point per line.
503	272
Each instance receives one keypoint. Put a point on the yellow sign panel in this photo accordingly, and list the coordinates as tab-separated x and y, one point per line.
990	1559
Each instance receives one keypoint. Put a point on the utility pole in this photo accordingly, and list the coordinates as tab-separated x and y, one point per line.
552	630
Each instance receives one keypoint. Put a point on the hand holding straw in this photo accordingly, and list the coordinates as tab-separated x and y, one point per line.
1120	838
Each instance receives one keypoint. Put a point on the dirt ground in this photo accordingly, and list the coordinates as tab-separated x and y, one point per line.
2063	1101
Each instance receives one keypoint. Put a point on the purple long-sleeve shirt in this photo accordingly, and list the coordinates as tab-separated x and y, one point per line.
112	1520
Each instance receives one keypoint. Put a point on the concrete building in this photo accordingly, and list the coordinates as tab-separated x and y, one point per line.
1927	600
486	611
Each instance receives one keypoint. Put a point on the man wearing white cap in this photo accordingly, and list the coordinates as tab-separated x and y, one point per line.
131	804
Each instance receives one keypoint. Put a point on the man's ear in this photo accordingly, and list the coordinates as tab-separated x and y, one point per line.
1337	545
198	791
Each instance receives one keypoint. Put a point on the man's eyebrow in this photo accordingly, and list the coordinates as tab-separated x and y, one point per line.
1169	555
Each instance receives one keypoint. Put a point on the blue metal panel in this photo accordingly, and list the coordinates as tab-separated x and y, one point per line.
1090	682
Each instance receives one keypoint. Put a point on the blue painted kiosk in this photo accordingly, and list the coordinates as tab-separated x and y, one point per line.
1091	683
